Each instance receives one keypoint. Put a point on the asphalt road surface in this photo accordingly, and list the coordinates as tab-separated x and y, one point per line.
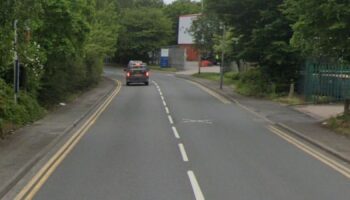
189	146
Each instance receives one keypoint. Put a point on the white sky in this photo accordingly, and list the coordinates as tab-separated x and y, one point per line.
168	1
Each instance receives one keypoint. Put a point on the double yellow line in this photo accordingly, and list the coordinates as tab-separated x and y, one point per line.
334	164
33	186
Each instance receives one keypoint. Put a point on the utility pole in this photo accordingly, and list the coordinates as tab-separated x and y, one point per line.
15	63
222	57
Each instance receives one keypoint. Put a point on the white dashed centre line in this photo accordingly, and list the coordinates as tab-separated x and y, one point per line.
175	132
194	183
183	152
195	186
167	110
170	119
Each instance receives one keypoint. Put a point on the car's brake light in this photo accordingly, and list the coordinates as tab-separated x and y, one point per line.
147	74
128	74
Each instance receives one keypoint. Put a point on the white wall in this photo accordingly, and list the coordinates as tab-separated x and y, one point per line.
185	23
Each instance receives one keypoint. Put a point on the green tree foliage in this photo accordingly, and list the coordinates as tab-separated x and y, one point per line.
321	27
175	10
143	30
263	35
204	30
61	46
139	3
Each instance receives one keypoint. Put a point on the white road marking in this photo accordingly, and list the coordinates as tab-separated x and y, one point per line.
183	152
167	110
195	186
170	119
175	132
160	92
164	103
200	121
161	96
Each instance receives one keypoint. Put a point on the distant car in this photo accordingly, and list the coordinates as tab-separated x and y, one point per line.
137	72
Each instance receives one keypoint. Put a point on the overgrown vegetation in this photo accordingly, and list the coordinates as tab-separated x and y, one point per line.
340	124
61	47
252	83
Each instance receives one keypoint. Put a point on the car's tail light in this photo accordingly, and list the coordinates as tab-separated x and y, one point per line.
128	74
147	74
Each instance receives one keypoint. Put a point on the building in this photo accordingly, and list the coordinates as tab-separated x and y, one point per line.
185	38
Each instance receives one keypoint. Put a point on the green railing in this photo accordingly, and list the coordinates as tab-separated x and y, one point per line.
326	82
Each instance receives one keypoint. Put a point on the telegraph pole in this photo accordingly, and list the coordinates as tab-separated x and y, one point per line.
15	63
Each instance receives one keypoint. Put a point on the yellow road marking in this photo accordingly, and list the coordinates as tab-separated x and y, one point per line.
33	186
212	93
314	153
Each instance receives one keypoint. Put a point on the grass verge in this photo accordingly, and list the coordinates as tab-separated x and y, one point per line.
251	84
340	124
158	68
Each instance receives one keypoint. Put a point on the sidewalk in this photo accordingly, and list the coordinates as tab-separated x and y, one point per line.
288	118
36	139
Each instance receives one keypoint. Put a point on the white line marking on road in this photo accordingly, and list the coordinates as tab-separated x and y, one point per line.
167	110
170	119
161	96
175	132
183	152
160	92
195	186
164	103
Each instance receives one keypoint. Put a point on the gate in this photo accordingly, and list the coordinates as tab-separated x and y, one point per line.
324	83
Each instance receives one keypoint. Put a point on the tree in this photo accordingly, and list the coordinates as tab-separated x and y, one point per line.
143	30
204	30
324	32
140	3
263	36
175	10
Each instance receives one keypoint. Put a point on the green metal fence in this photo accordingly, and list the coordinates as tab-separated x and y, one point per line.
326	82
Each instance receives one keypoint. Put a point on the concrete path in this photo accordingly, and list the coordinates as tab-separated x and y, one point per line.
321	112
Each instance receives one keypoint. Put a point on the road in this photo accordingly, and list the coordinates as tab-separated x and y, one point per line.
192	145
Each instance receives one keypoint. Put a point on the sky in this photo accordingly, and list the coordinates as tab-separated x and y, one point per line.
168	1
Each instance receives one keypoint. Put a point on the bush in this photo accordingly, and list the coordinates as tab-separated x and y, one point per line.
253	83
13	115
